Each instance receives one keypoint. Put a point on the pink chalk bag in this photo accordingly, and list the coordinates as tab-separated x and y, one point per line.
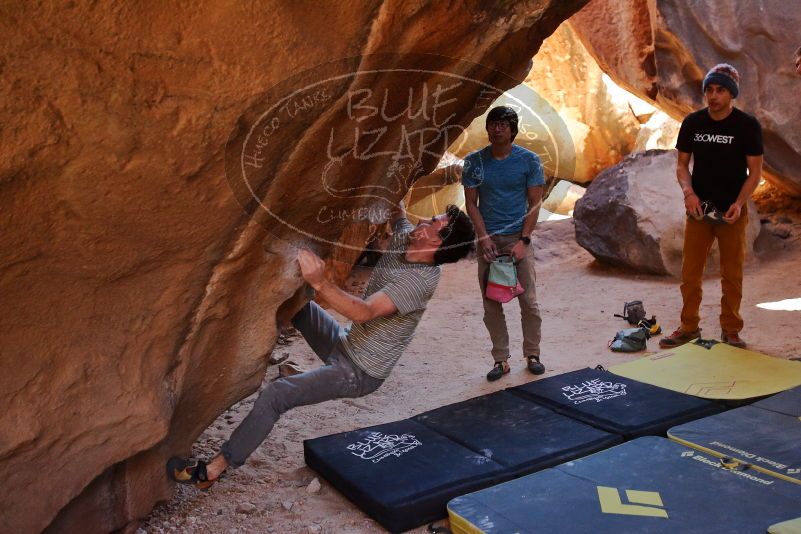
502	283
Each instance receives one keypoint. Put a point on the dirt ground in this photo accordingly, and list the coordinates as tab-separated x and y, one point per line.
446	363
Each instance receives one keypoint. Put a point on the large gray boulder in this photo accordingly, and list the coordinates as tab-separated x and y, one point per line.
632	215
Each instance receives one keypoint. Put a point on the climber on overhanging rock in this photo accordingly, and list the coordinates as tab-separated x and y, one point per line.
357	359
725	145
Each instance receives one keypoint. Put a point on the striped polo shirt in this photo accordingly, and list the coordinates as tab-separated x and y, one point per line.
375	345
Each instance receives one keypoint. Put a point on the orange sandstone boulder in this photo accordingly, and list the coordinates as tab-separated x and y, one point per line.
161	165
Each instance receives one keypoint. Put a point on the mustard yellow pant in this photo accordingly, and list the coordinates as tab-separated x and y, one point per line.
698	239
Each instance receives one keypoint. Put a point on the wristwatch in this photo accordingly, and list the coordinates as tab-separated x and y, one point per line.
525	239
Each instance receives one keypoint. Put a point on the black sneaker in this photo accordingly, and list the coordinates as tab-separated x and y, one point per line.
534	365
500	369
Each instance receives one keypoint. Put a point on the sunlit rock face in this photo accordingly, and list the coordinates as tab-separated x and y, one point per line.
563	197
588	117
138	296
632	215
659	132
668	46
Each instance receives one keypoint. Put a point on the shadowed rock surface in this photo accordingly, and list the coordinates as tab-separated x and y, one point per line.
660	50
138	297
431	194
632	215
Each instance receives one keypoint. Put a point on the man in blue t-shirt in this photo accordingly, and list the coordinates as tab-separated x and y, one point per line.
503	186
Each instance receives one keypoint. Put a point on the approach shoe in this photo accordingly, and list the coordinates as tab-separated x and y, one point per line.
678	338
500	369
733	339
534	365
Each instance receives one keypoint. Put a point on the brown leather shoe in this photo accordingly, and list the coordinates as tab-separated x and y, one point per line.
733	339
678	338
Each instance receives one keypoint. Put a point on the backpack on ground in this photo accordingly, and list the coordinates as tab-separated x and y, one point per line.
630	340
633	312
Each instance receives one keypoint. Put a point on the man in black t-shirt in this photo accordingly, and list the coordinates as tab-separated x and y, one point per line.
725	145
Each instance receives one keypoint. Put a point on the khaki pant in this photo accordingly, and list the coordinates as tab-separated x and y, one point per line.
698	239
494	318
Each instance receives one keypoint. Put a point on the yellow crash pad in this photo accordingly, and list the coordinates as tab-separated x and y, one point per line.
721	372
792	526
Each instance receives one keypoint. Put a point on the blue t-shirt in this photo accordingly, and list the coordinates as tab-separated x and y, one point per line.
502	186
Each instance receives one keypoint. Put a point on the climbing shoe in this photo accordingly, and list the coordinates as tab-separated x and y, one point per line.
651	325
534	365
190	471
500	369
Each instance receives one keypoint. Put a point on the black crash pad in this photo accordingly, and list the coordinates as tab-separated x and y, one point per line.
519	434
615	403
402	474
787	402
